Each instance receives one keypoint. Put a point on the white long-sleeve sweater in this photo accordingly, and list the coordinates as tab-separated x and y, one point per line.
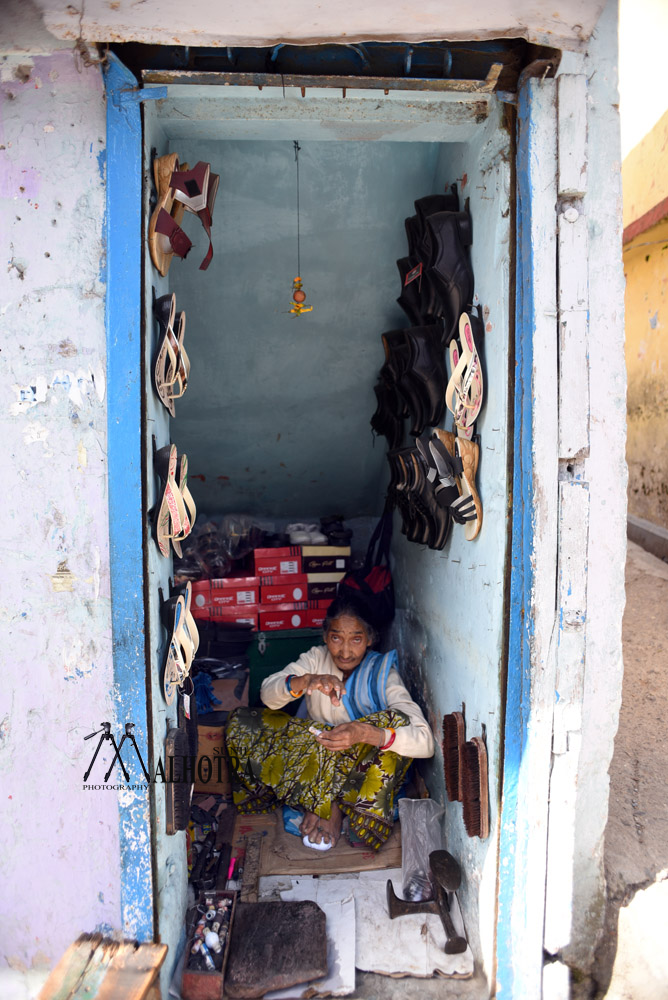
414	740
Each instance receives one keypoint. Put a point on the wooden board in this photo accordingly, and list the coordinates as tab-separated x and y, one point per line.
285	854
102	969
274	945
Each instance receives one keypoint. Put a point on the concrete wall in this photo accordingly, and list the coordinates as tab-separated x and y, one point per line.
276	417
59	849
645	187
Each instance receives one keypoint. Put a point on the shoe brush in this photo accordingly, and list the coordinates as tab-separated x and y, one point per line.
475	799
454	737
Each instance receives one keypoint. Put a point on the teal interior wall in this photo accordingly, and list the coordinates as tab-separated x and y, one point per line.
276	417
450	623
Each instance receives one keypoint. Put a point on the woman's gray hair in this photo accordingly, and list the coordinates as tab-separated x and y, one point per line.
342	607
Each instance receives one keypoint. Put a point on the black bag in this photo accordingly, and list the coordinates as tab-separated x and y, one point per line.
371	587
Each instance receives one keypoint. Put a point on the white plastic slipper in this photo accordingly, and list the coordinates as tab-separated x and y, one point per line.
316	847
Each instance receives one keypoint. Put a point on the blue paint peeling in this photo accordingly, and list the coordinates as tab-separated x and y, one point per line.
512	845
101	163
124	365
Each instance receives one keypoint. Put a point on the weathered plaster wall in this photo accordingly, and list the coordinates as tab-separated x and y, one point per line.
644	173
604	470
645	186
59	857
204	22
646	270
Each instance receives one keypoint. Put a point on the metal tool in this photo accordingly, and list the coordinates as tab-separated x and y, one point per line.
445	876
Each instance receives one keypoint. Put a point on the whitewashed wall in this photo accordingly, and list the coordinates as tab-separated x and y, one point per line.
59	854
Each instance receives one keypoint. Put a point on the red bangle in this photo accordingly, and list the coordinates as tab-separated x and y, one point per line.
391	740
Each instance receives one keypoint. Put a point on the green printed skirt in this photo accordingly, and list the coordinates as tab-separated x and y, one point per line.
275	760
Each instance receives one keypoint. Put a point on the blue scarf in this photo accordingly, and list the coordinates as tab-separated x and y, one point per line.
365	688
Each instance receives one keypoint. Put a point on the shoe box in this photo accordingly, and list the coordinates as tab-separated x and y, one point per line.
285	561
325	558
227	592
296	615
299	587
296	559
235	614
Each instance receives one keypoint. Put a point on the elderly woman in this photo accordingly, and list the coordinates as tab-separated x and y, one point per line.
350	756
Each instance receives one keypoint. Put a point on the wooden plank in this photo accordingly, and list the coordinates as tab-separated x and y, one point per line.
574	402
569	687
133	971
275	945
84	963
572	131
251	876
101	969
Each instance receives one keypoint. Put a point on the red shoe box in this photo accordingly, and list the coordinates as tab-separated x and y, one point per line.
231	614
278	562
300	587
325	558
227	592
284	589
302	614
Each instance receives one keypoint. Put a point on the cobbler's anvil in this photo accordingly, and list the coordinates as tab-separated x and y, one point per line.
446	876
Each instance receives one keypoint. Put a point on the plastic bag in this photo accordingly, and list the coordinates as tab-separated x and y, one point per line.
421	833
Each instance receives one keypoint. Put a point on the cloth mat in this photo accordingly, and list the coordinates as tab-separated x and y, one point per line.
405	946
340	979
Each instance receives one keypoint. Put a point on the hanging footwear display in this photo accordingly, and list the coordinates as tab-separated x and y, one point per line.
179	189
433	483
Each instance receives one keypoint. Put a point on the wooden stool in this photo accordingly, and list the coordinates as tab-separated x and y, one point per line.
101	969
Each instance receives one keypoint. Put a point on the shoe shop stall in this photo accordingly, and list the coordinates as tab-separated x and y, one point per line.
348	260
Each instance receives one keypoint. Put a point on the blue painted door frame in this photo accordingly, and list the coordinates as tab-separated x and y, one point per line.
124	455
126	510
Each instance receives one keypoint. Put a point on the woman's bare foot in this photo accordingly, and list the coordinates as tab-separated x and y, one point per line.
326	831
309	823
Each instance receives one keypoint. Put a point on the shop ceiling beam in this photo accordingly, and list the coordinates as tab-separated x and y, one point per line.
385	83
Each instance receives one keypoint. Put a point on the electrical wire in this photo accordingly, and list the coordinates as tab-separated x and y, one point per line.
297	148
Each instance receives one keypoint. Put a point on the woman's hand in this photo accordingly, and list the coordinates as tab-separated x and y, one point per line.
349	733
327	683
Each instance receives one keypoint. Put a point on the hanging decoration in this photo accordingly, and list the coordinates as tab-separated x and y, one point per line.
298	293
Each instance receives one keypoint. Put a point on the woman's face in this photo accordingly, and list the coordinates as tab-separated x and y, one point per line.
347	642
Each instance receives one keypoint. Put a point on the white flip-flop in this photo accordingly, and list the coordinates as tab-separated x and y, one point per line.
316	847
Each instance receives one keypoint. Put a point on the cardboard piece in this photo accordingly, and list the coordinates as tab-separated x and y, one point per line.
211	744
284	854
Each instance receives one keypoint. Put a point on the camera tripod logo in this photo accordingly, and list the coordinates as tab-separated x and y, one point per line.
106	734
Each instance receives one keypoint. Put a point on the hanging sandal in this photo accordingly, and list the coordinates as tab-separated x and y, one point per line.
167	363
165	236
172	522
191	509
196	189
466	453
464	391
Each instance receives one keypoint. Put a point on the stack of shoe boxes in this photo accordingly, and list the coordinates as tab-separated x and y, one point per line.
232	600
297	584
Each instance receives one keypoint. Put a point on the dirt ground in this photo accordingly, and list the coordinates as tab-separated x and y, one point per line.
636	843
